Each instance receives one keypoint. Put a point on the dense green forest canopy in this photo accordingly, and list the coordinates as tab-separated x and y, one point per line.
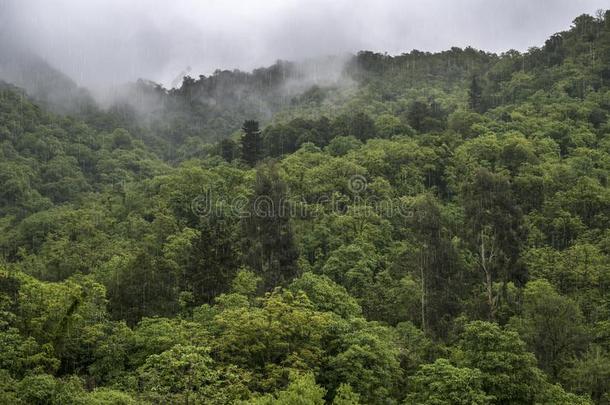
427	228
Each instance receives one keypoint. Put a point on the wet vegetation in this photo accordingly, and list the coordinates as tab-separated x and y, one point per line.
427	228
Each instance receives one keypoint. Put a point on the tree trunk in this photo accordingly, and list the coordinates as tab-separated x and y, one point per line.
486	257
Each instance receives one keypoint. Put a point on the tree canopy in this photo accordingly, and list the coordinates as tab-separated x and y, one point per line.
435	230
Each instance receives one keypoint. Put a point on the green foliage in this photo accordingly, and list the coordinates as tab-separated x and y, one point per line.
37	389
509	372
475	93
326	295
186	373
551	325
433	228
346	396
368	362
442	383
268	244
341	145
285	330
245	283
590	375
302	390
105	396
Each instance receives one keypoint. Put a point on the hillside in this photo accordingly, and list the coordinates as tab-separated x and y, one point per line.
425	228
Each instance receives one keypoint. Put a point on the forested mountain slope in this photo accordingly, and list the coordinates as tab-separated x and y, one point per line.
418	229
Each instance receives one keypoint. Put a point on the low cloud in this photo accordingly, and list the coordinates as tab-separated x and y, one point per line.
107	42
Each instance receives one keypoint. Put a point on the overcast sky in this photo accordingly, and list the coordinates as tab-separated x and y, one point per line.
99	42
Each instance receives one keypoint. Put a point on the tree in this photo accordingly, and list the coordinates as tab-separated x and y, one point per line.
187	374
495	229
475	98
353	266
508	371
590	375
357	124
326	295
251	143
21	355
417	113
157	335
392	300
229	150
341	145
142	286
213	259
388	125
433	261
466	123
369	362
201	242
302	390
39	389
441	383
551	325
268	244
138	266
281	333
281	139
346	396
426	116
245	283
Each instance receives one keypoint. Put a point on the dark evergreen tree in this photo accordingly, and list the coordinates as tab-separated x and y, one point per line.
268	244
251	143
212	261
475	95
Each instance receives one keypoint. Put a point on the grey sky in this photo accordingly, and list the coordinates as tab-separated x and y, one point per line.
99	42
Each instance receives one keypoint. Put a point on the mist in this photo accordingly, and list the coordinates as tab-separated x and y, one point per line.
100	43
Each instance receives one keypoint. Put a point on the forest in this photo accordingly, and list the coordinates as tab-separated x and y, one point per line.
428	228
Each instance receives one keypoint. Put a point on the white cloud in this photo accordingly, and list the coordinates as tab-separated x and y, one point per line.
110	41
